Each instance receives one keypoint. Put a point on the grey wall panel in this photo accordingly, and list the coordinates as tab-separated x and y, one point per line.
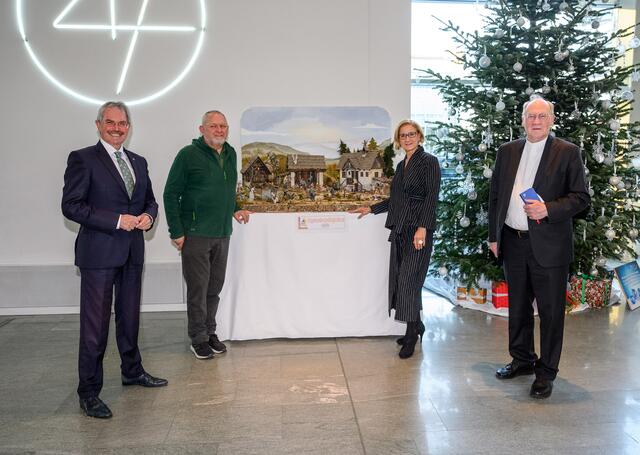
39	288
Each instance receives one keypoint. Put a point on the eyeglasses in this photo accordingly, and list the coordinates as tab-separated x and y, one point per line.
537	116
111	124
407	135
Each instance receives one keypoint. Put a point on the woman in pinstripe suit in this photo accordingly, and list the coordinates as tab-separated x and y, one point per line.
411	218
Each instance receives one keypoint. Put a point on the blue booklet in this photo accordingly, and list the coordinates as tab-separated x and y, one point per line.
530	194
629	277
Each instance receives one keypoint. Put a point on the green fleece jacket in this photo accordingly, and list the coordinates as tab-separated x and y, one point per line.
200	193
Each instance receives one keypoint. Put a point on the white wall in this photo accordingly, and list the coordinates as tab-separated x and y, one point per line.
256	53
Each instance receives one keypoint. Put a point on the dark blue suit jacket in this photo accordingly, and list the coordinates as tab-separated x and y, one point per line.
94	196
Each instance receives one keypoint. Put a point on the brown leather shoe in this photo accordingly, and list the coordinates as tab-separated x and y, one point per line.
508	371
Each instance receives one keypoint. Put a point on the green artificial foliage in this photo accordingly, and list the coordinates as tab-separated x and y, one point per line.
387	158
526	49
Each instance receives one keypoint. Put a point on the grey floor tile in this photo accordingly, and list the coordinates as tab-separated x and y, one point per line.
328	396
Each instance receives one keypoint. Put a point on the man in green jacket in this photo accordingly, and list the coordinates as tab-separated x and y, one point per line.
199	201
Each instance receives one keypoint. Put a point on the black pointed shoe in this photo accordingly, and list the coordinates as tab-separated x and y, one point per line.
409	346
541	388
95	407
509	371
145	380
421	330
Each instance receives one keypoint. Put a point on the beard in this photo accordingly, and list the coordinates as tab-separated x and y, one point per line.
215	141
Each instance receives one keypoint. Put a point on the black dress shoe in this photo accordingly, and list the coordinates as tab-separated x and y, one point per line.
95	407
508	371
145	380
541	388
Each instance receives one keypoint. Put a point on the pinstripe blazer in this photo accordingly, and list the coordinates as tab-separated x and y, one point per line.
414	194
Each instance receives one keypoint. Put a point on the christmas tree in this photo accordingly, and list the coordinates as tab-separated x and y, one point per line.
531	48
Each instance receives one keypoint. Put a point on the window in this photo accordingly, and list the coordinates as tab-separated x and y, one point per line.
430	46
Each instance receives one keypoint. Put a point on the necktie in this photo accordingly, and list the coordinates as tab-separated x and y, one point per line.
126	173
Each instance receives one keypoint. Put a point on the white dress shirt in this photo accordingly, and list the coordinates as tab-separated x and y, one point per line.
527	169
112	154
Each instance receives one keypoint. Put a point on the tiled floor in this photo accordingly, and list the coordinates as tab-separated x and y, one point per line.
327	396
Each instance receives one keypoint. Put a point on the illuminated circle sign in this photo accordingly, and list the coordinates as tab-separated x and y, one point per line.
114	28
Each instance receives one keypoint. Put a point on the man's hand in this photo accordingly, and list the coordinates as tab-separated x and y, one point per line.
144	222
178	243
242	216
493	246
536	210
128	222
363	211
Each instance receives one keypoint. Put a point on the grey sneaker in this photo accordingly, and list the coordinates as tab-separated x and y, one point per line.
217	345
202	351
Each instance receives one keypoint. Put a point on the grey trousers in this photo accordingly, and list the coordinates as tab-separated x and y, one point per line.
204	264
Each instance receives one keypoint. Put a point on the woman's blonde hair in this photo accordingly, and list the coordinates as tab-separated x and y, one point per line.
396	135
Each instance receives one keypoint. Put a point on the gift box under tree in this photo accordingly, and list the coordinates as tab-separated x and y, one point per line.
590	290
500	294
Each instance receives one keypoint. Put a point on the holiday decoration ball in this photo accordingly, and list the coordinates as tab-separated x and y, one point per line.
484	61
442	271
627	95
614	124
517	67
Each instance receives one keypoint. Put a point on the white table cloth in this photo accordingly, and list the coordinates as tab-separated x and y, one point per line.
287	282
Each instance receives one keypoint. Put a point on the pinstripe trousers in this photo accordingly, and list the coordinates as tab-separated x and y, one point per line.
407	272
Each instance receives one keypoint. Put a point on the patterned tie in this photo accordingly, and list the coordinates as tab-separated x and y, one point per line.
126	173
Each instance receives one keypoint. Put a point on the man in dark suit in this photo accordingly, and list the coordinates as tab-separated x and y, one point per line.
108	192
535	239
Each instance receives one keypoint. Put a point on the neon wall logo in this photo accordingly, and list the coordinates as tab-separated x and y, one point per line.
96	50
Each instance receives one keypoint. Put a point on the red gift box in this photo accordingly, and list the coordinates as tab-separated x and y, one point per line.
500	294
